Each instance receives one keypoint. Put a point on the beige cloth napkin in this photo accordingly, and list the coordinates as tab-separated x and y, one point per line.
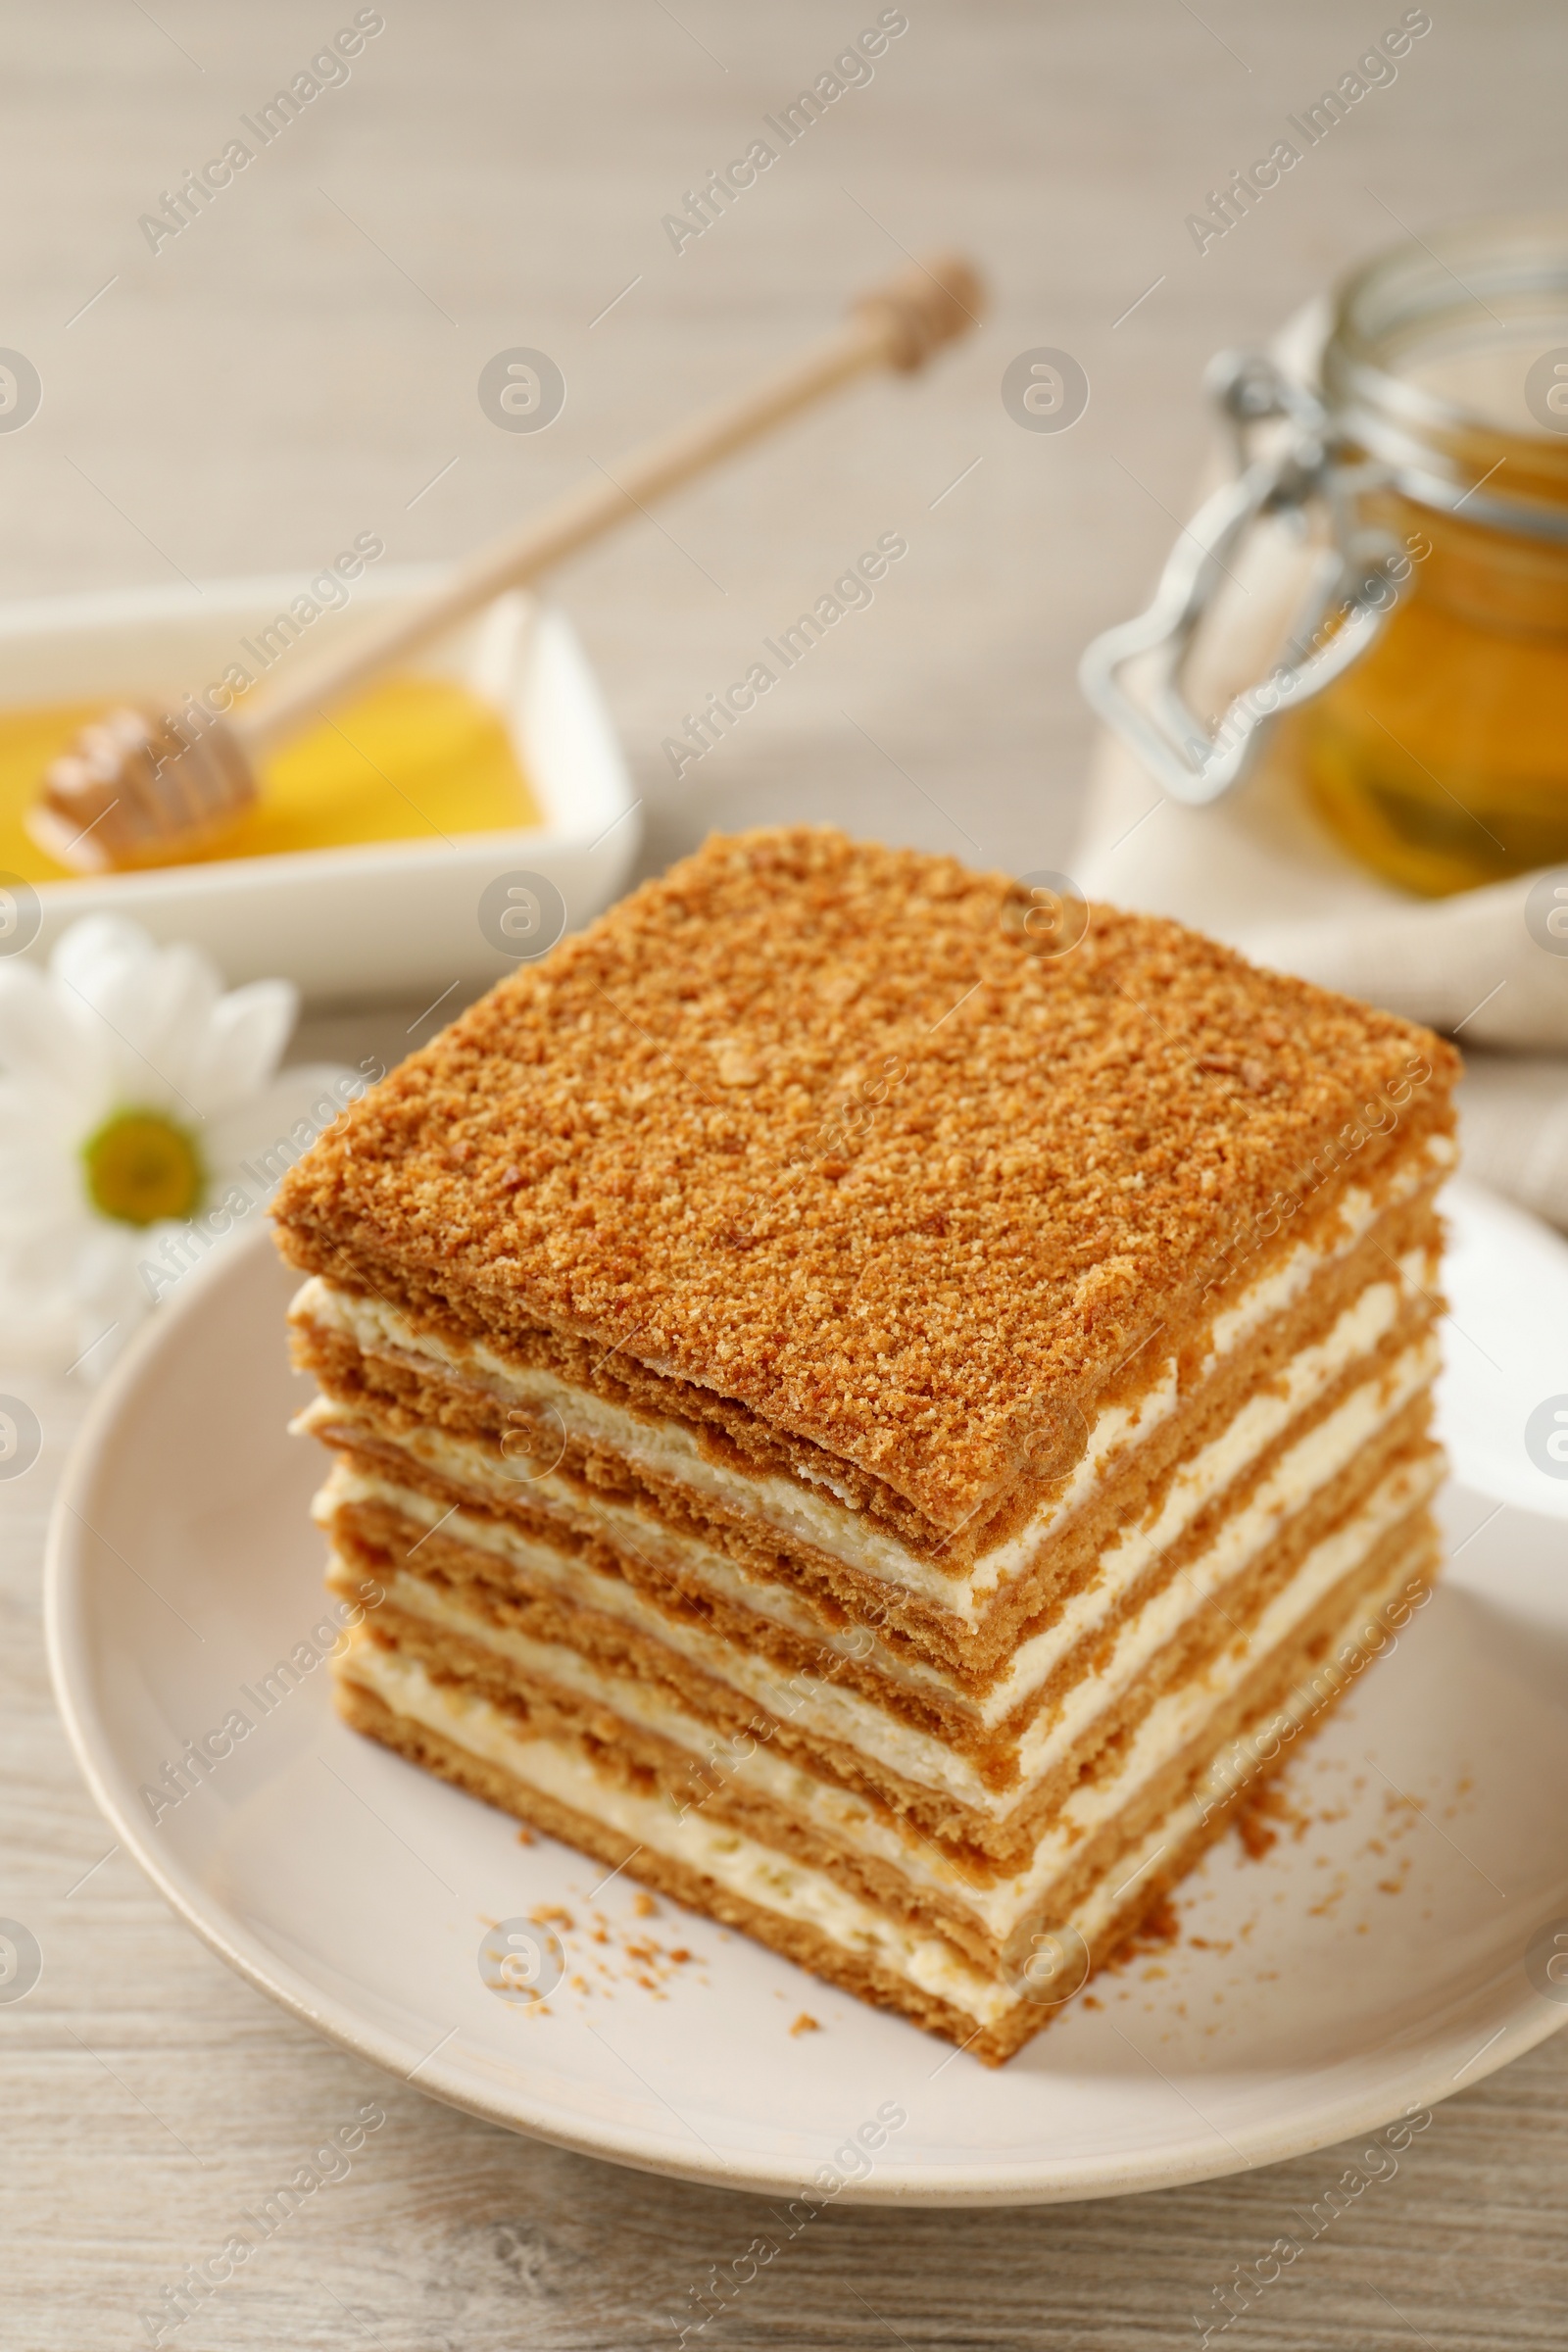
1258	871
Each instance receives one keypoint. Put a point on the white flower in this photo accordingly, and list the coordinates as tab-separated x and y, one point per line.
136	1100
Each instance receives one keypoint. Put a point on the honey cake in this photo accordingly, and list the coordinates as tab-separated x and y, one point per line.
878	1413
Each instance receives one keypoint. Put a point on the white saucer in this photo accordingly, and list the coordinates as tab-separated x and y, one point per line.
357	1892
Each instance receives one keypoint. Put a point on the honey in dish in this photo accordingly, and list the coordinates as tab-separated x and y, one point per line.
414	760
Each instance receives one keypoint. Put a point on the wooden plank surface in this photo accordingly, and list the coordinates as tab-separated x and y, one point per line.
299	364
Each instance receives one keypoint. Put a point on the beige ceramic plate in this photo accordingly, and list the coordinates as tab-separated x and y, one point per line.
358	1892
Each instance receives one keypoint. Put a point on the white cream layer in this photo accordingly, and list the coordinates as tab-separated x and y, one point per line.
761	1875
1319	1455
752	1762
808	1505
1258	1422
742	1865
1328	1448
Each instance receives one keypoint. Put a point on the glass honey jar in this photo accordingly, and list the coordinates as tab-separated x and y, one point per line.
1424	691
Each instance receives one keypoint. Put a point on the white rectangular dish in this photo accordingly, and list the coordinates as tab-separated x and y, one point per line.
371	919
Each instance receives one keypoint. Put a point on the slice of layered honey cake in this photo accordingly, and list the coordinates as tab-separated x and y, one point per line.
880	1402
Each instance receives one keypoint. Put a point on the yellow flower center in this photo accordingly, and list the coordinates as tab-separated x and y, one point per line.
141	1167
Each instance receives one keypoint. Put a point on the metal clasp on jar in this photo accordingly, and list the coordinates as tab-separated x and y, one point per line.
1291	466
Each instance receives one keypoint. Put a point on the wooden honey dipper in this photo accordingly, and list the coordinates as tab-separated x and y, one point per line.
137	790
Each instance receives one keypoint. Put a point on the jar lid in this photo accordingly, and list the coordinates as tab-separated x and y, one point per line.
1448	363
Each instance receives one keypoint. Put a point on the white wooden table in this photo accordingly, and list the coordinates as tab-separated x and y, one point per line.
299	364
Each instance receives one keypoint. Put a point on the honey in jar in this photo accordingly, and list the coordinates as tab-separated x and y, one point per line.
1439	758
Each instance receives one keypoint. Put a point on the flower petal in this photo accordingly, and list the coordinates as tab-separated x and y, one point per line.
89	956
246	1034
152	1006
48	1045
73	1294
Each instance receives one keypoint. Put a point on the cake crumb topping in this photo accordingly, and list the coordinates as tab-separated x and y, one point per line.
815	1124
